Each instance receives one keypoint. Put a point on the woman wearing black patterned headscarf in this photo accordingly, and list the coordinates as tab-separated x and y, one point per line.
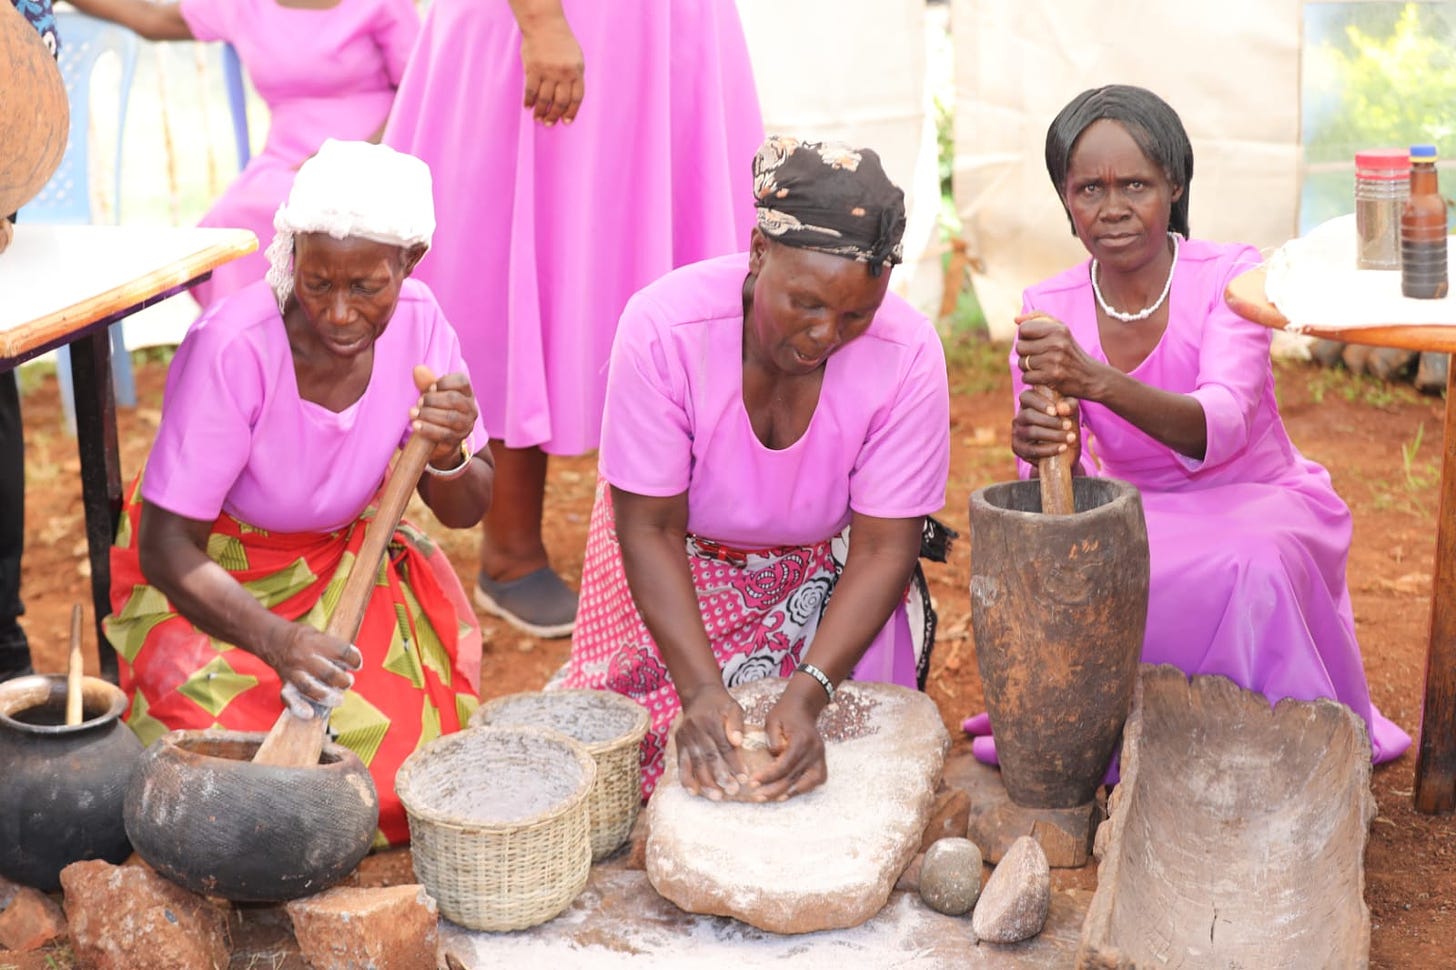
757	406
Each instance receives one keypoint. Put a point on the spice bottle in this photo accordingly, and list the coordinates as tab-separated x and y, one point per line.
1423	230
1382	184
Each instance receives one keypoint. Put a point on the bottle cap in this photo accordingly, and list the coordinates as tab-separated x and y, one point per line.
1423	153
1395	161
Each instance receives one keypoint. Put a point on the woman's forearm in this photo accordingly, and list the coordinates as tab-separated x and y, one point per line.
461	502
533	14
655	562
173	558
154	21
1175	420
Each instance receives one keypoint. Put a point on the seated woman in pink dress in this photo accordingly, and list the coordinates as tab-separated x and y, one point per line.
283	409
1165	387
758	404
325	68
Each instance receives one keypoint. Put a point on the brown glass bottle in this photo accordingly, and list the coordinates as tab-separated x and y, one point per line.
1423	230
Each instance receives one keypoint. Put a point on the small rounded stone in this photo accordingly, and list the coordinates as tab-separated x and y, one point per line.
950	876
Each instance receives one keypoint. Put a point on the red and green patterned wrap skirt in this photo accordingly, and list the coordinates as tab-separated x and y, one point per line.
420	640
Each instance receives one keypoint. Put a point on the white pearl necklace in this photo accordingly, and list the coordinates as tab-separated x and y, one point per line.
1145	312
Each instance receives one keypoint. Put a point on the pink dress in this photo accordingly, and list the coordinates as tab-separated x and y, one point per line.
1247	546
760	521
544	233
235	436
323	74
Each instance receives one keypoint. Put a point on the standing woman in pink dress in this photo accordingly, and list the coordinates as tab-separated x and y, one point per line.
557	200
1167	388
325	68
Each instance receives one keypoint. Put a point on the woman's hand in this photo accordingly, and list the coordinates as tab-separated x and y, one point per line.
1049	356
551	57
445	413
312	665
708	738
798	749
1042	429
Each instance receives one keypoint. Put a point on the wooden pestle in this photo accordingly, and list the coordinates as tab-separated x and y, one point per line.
75	707
1054	473
294	741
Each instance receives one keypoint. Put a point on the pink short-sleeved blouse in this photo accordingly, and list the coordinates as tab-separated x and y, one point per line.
878	443
236	437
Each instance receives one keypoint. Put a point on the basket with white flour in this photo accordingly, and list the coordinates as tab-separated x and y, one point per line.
610	727
499	830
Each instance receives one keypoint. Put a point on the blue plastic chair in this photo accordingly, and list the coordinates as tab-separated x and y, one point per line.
66	198
232	72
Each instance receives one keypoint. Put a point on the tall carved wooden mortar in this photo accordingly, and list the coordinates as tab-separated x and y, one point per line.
1058	606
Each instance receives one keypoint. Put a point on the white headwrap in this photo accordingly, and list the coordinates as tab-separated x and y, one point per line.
352	188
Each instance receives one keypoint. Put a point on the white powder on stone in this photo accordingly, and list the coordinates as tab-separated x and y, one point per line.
816	859
766	848
895	938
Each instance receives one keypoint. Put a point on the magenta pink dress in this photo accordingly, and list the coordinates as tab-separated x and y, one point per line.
545	232
323	74
760	521
1247	546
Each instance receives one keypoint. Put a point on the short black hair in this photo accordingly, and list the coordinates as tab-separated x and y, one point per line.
1151	121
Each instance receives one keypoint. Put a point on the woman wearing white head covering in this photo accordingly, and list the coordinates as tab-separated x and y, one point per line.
283	408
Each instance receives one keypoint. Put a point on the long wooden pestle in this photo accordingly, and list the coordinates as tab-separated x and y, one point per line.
1054	473
298	742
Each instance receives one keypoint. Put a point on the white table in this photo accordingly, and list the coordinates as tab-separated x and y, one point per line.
64	285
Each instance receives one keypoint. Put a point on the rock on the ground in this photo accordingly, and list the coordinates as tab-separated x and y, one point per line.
29	920
949	818
384	928
824	860
950	877
130	918
1014	905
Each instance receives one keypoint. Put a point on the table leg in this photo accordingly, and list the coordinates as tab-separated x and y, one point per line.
1435	788
100	473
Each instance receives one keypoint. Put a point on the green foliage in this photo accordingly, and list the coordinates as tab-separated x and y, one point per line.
1392	75
1376	75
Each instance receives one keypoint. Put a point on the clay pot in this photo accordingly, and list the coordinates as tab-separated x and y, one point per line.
203	815
35	115
1058	606
61	797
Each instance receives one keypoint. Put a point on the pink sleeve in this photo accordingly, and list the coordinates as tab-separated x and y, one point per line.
398	28
442	356
646	429
1233	367
905	460
208	19
214	390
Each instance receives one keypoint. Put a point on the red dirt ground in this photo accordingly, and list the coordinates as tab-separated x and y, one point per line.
1380	442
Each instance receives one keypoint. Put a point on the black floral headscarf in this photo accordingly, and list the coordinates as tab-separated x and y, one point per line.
829	197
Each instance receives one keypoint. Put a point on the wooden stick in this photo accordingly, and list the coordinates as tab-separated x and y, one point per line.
74	706
1055	474
298	742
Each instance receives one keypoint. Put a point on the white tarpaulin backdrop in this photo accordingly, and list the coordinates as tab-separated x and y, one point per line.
856	71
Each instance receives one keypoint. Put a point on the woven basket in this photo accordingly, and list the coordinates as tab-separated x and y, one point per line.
499	830
611	727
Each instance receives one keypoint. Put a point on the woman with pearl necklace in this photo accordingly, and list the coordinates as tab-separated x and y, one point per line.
1165	387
